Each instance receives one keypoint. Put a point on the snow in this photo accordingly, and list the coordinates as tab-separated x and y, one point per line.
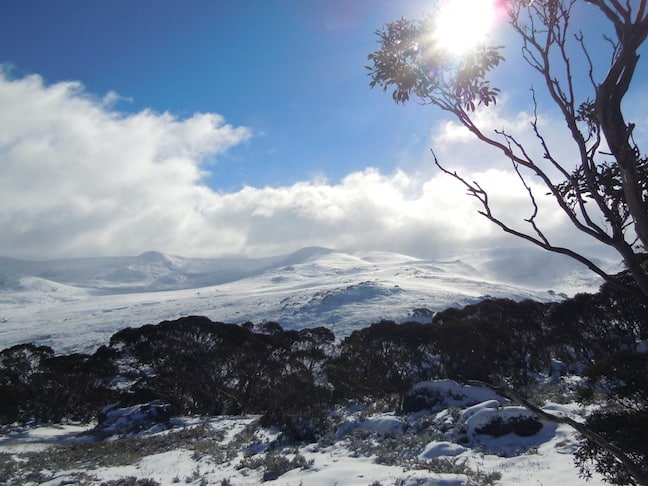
441	448
77	304
383	424
484	413
163	467
443	394
41	438
470	411
549	462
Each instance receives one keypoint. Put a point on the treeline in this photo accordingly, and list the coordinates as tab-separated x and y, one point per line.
292	377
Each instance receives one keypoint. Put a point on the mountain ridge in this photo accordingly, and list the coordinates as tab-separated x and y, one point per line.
75	304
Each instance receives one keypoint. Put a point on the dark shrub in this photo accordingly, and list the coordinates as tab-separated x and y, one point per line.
589	328
20	367
522	426
421	398
627	430
619	384
191	363
37	385
205	367
385	358
494	337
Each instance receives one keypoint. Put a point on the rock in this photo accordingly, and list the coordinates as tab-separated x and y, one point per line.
440	394
149	417
441	449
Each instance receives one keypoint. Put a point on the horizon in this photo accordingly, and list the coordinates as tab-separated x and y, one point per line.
595	251
83	301
248	129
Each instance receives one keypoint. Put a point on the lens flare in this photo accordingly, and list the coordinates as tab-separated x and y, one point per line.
463	24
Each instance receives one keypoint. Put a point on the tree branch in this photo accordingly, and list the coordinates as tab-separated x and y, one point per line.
507	392
476	191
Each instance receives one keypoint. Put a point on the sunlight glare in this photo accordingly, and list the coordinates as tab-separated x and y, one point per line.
462	24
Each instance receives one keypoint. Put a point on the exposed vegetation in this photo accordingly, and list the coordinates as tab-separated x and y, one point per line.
294	379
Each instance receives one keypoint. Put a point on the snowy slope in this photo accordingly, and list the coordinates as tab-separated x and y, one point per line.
433	447
78	304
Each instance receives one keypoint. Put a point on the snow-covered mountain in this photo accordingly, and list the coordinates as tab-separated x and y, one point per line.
77	304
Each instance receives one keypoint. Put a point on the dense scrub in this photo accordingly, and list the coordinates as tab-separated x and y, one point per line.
292	377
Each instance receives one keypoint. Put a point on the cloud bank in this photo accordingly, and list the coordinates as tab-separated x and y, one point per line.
82	179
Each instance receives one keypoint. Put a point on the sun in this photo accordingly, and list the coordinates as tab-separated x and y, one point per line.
463	24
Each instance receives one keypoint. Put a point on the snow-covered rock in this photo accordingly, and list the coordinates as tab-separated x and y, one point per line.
441	394
383	424
441	449
119	421
506	431
501	421
474	409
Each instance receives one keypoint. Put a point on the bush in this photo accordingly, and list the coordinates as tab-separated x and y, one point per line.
522	426
36	385
385	358
275	465
624	429
130	481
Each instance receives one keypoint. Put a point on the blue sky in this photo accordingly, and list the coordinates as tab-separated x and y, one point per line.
292	71
209	128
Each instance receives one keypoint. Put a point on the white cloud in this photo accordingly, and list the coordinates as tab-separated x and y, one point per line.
458	149
80	179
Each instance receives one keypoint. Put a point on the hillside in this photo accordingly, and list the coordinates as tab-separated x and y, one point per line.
76	304
202	402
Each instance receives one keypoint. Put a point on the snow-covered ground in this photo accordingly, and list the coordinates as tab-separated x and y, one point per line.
78	304
441	446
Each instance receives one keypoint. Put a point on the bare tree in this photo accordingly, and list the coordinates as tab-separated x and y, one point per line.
604	192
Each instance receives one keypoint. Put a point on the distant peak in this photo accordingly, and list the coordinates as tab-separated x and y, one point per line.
311	251
152	256
304	254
